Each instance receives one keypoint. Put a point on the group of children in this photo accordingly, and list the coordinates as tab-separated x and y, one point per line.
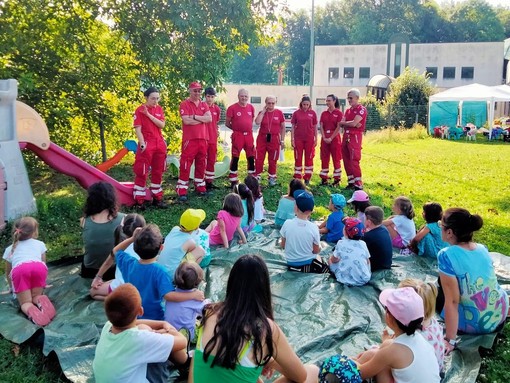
152	269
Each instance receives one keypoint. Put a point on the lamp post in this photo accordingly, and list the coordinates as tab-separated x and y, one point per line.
303	66
312	48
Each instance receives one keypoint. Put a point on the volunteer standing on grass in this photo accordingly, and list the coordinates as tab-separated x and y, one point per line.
270	138
195	115
353	123
331	144
149	121
213	133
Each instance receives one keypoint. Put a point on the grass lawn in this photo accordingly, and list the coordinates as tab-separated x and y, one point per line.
474	175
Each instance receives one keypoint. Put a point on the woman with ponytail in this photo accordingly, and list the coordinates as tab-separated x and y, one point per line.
470	298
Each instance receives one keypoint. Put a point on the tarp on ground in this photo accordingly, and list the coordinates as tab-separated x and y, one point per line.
319	316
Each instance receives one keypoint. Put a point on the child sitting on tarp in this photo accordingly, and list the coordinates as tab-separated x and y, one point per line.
350	262
427	242
287	203
332	229
128	344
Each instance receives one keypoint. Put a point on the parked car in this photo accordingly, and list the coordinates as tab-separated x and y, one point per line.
287	113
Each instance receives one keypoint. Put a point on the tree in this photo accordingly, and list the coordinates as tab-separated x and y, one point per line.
255	68
408	97
504	18
328	28
296	39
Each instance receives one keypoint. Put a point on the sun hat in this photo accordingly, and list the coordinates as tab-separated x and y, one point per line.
191	219
342	369
195	85
404	304
304	200
354	228
359	196
338	201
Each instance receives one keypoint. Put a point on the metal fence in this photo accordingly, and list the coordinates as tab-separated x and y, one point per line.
396	116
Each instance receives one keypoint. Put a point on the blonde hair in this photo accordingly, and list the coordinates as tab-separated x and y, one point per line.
24	228
427	291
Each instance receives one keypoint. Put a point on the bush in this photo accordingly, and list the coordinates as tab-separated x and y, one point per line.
375	112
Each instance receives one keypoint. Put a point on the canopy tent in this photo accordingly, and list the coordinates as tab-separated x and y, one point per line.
470	103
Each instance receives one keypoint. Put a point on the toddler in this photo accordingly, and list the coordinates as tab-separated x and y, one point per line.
333	228
258	199
25	267
401	225
350	262
201	238
247	221
183	315
287	203
301	238
378	239
431	329
221	231
360	201
427	242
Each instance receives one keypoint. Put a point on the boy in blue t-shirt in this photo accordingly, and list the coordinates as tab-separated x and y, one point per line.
378	239
332	229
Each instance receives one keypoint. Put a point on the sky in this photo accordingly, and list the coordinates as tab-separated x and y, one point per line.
296	4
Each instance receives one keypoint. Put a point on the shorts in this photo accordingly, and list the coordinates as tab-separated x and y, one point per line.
315	267
29	275
397	242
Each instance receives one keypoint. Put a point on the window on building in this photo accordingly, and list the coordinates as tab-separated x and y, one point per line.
364	72
334	73
320	101
349	72
449	73
398	59
432	71
255	100
467	72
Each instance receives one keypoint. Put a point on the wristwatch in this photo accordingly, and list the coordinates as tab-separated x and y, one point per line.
451	342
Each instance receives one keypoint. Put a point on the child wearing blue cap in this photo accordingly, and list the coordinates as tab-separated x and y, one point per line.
333	228
301	238
350	262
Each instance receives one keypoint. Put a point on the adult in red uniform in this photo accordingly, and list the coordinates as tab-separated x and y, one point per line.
212	134
304	139
353	123
149	120
331	144
270	138
195	115
240	119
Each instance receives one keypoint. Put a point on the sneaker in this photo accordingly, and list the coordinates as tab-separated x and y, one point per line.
182	198
358	187
324	181
336	183
272	181
140	206
202	194
349	186
159	204
307	182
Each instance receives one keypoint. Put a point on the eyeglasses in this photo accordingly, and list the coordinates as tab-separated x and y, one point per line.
349	98
442	225
270	103
197	90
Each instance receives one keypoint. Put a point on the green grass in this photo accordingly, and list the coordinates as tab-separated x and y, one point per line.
474	175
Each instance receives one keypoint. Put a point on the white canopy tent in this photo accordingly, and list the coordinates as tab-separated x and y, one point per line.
474	92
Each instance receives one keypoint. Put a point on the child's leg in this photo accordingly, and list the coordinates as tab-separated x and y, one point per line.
312	375
101	292
36	293
211	226
25	300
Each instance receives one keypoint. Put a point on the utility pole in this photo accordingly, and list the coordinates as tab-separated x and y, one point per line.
312	49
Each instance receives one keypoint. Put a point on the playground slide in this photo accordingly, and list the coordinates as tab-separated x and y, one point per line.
86	174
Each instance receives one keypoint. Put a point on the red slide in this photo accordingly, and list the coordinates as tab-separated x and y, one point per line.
86	174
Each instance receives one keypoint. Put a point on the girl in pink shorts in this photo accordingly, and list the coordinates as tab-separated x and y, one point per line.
26	267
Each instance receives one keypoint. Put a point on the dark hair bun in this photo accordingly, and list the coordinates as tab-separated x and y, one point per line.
475	221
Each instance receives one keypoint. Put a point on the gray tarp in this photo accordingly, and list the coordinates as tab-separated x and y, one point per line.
319	316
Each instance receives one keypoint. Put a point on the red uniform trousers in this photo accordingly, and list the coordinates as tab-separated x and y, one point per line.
272	149
192	150
152	159
242	141
333	149
351	153
308	147
212	152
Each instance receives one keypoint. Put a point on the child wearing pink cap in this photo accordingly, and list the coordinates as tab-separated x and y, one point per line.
407	356
360	201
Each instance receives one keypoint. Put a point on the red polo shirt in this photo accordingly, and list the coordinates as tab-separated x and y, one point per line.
272	122
241	117
212	127
194	132
305	123
358	110
329	121
149	128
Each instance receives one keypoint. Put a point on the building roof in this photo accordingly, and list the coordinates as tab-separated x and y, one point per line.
380	81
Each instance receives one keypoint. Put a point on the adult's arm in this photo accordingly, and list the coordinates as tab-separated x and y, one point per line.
228	122
196	120
139	136
282	134
260	116
351	124
337	131
451	304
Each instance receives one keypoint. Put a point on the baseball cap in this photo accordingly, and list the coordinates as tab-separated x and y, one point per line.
195	85
191	219
339	368
354	228
359	196
304	200
404	304
338	201
210	91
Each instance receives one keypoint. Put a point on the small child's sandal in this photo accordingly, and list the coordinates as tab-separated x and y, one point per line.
47	307
37	316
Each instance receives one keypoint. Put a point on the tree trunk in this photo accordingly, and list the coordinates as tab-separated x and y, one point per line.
102	138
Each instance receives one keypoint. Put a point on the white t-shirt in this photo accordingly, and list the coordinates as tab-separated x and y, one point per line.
353	268
123	357
300	236
29	250
405	227
119	279
258	209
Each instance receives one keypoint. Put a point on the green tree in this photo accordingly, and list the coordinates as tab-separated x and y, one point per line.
407	98
296	40
255	68
504	18
328	28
